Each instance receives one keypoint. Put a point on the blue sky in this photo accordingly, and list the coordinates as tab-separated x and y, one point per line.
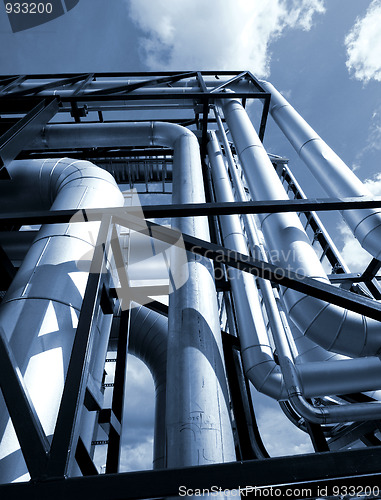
325	55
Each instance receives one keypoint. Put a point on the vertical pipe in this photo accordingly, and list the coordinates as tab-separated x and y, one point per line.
198	420
148	341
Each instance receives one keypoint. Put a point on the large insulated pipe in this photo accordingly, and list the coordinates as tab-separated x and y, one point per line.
198	419
40	310
148	341
330	326
316	378
331	172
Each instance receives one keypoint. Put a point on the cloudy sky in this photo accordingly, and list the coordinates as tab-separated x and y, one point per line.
324	55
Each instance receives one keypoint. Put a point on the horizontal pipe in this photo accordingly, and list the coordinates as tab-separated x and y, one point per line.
321	414
329	170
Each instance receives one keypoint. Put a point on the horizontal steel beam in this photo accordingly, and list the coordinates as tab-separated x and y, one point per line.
218	253
200	209
261	207
303	476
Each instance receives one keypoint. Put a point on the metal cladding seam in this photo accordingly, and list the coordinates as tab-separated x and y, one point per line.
334	328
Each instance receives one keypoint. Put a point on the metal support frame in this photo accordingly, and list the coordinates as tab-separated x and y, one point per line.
78	103
45	86
48	466
305	476
259	268
200	209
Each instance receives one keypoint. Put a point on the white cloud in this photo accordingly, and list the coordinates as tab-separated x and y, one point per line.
364	45
228	34
374	185
352	252
354	255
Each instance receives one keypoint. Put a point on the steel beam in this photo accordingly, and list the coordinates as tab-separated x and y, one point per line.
10	83
305	476
235	79
200	209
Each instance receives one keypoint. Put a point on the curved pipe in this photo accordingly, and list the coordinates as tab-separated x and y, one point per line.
320	414
329	170
332	327
197	411
39	312
317	378
148	341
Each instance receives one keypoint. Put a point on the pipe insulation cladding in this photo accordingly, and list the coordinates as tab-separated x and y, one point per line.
334	328
40	310
335	177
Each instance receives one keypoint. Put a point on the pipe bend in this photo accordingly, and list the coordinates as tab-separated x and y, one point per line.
167	134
